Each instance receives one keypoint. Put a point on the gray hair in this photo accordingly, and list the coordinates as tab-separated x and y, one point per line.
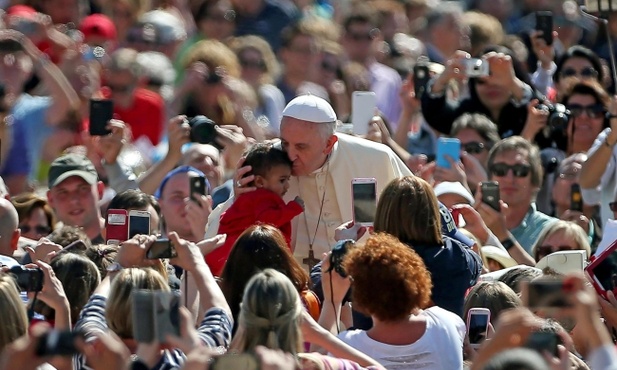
442	11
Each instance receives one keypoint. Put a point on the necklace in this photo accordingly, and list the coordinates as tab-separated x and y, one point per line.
311	261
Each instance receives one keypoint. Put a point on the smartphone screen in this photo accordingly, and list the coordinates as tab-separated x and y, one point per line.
363	105
477	328
421	78
101	111
364	202
544	23
139	225
447	147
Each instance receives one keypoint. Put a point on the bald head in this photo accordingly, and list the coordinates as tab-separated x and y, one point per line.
9	235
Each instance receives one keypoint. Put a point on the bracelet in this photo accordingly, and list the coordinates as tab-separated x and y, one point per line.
508	243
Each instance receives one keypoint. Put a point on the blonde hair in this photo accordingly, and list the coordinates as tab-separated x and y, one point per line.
258	44
14	317
214	54
120	302
570	230
270	314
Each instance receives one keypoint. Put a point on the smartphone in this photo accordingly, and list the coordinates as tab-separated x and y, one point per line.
236	361
117	229
545	294
475	68
143	316
576	198
161	248
477	325
447	147
364	197
28	279
421	77
197	185
101	111
490	194
57	343
544	23
139	223
603	271
542	341
363	109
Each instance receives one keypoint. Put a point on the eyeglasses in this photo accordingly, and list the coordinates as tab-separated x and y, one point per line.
586	72
256	64
39	229
474	147
120	89
593	111
545	250
613	206
502	169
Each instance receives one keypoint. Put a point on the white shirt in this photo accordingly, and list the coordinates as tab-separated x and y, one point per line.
605	192
439	348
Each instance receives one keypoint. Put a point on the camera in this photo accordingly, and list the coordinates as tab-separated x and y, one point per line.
28	279
339	251
558	116
476	68
161	248
203	131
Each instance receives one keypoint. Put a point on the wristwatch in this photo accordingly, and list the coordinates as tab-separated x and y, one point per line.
508	243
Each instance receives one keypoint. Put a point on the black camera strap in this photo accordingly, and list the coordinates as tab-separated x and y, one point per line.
31	308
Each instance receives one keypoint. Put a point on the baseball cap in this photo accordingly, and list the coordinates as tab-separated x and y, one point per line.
158	27
71	165
174	172
22	11
310	108
98	25
448	227
448	187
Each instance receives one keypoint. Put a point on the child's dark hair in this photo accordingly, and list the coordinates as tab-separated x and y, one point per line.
263	157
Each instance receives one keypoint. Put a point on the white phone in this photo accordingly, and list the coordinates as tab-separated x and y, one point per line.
477	325
139	223
363	108
364	193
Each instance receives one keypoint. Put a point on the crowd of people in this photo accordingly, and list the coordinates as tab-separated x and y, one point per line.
176	185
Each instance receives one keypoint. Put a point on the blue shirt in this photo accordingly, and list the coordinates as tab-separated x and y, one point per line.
529	230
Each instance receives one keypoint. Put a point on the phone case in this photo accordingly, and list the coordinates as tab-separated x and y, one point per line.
364	200
450	147
144	330
197	185
604	268
421	77
155	314
477	311
139	223
101	111
363	106
490	194
117	229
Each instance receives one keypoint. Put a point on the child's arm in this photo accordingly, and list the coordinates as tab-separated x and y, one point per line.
276	213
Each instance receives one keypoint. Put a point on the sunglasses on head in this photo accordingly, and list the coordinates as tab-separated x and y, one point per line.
502	169
474	147
39	229
593	111
586	72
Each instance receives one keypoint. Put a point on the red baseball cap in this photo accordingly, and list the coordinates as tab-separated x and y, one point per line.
98	25
22	11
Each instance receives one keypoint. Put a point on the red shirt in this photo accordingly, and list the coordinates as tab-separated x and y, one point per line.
259	206
145	116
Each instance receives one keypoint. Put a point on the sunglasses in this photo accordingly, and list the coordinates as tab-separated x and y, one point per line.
613	206
120	89
256	64
586	72
545	250
502	169
39	229
474	147
593	111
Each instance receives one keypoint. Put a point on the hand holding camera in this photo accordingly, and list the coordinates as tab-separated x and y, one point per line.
189	256
501	70
52	293
133	251
334	281
455	70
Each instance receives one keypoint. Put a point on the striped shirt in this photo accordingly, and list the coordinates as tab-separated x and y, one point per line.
214	331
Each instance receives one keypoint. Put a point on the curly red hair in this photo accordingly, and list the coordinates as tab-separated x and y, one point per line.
390	279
